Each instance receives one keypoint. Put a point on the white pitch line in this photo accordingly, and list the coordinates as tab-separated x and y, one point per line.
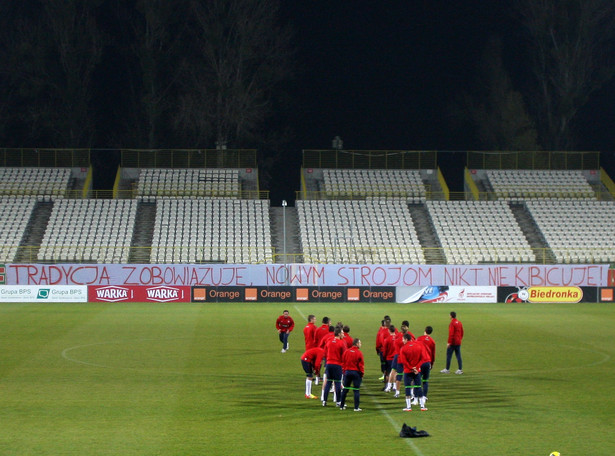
397	426
300	313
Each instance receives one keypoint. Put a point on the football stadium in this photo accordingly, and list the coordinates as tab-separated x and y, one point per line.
141	320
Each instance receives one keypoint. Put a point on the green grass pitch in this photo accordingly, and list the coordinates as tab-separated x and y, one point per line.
188	379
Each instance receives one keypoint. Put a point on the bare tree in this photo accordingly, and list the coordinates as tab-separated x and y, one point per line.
239	56
156	41
75	46
492	109
499	112
569	43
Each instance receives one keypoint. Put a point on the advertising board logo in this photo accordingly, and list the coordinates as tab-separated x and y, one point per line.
43	293
113	294
606	294
555	294
303	294
251	294
163	294
199	294
354	294
2	274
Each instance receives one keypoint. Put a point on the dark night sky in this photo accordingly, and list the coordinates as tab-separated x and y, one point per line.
382	75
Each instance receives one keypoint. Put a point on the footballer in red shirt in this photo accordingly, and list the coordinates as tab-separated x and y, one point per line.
284	324
429	353
411	356
311	361
383	332
455	335
321	331
354	369
334	350
309	331
347	337
388	353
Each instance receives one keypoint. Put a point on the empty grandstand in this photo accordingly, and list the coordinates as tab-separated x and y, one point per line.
211	231
44	183
350	215
89	231
577	231
16	213
374	230
519	185
187	183
473	232
360	183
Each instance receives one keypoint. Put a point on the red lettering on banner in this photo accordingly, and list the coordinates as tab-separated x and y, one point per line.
303	274
59	275
518	280
410	277
295	275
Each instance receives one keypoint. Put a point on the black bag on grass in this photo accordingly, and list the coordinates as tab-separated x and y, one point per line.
411	432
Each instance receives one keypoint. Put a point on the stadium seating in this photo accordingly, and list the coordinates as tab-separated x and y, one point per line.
359	183
44	183
16	212
375	230
473	232
577	231
211	230
85	230
519	185
189	183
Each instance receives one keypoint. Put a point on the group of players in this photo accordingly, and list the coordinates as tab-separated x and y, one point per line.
402	357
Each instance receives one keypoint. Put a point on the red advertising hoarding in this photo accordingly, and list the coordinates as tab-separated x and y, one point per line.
114	293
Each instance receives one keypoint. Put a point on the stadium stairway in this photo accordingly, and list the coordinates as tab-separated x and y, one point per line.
532	233
34	232
293	251
143	233
426	234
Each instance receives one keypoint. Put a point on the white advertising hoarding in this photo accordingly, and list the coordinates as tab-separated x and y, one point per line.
453	294
40	293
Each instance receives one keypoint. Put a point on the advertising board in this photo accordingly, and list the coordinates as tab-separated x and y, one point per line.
40	293
113	293
293	294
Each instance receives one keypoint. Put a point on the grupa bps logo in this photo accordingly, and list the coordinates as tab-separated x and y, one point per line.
113	294
164	294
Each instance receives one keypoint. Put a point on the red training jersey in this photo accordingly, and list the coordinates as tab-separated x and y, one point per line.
314	356
284	323
455	332
388	347
411	356
382	332
308	334
319	333
323	342
334	350
353	360
348	339
429	346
